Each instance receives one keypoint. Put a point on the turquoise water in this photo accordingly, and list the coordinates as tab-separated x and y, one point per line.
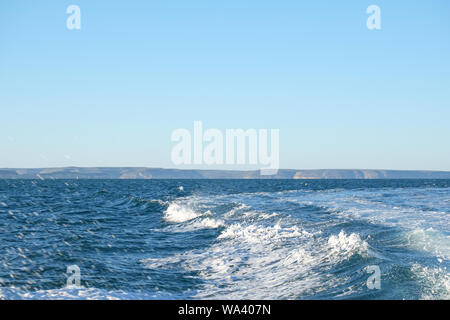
228	239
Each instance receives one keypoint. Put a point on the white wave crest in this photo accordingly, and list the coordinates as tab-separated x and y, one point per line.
210	223
197	224
347	245
179	213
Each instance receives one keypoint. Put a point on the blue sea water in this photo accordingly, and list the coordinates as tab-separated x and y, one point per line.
227	239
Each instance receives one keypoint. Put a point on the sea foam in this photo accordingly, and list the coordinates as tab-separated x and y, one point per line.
179	213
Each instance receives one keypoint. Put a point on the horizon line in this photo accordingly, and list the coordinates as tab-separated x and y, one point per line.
230	170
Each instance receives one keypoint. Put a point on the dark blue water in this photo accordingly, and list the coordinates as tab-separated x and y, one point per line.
258	239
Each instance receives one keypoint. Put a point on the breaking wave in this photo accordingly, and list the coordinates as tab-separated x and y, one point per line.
179	213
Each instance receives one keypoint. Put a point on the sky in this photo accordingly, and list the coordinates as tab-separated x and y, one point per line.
112	92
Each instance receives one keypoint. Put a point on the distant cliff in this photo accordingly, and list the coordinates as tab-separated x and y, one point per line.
158	173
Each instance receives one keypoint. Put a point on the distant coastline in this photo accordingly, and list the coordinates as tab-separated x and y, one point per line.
160	173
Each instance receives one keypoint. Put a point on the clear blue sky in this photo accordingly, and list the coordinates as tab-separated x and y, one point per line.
111	93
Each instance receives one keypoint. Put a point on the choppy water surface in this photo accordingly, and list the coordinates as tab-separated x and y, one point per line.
256	239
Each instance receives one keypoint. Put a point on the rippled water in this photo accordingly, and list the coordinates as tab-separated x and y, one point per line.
257	239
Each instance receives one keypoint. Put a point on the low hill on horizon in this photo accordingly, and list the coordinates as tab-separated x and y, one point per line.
160	173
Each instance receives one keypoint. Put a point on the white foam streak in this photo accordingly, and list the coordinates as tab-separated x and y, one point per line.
77	294
257	234
253	261
430	240
435	282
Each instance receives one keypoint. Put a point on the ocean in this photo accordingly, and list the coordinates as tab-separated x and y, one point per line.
225	239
